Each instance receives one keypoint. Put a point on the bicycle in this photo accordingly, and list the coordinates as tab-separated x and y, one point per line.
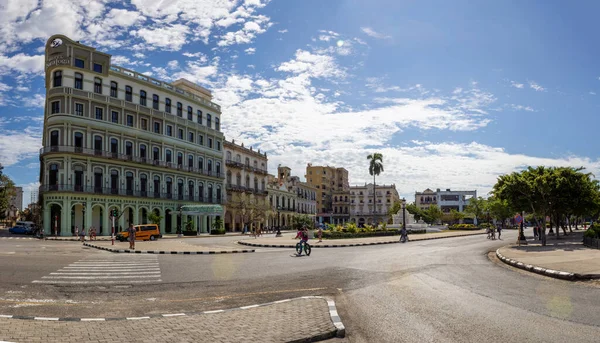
307	248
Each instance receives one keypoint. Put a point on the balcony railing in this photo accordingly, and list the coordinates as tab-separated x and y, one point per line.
242	189
127	192
241	165
129	158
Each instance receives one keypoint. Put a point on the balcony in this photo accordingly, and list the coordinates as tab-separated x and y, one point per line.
128	158
241	165
128	192
242	189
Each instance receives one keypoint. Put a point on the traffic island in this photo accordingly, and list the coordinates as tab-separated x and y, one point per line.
164	247
285	242
566	259
274	322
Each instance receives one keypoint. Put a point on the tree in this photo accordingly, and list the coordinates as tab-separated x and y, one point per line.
499	209
218	224
418	213
7	191
301	220
375	168
432	215
476	207
249	210
456	216
154	218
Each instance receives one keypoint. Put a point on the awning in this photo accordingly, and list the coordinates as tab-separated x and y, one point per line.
196	210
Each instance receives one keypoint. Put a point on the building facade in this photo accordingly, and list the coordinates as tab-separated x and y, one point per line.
327	180
16	201
369	209
117	139
288	197
246	183
447	200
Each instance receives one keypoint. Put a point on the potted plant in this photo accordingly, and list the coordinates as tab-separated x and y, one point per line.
217	227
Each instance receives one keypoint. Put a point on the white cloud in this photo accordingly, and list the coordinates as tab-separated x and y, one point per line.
516	84
533	85
22	64
319	66
592	93
250	51
372	33
285	31
169	37
246	35
522	108
30	141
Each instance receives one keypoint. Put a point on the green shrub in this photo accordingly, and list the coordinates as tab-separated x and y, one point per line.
341	235
220	231
463	227
593	231
485	225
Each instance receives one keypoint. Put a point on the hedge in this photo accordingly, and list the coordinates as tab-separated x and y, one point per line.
463	227
328	234
190	233
217	231
593	231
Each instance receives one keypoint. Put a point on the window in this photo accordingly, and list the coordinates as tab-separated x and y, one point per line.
78	140
167	105
179	109
79	63
98	85
57	80
155	154
217	124
55	107
201	191
218	168
190	161
191	137
200	163
54	138
155	102
180	134
210	143
114	89
130	120
114	117
78	81
156	127
179	158
128	148
99	113
200	139
169	186
144	124
209	166
128	93
143	98
190	113
143	184
129	183
98	143
208	123
143	151
199	115
169	156
97	67
169	130
219	145
114	145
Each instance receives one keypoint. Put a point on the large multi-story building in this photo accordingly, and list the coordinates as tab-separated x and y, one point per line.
327	180
117	139
246	179
16	201
371	207
288	196
446	200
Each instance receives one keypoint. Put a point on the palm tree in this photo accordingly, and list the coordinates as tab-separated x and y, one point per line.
375	168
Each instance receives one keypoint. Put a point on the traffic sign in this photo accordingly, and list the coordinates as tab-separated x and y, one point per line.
518	218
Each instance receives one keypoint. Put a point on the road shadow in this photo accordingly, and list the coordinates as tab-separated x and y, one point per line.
572	242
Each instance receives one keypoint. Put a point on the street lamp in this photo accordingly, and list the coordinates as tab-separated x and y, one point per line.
278	222
403	213
83	219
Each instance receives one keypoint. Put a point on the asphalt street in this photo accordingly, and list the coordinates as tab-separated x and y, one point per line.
446	290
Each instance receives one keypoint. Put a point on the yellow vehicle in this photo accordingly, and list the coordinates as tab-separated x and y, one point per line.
143	232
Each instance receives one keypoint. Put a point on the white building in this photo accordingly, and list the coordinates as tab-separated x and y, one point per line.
446	200
369	207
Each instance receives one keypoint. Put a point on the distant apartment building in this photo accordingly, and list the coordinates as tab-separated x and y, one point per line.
327	180
288	197
371	207
16	201
446	200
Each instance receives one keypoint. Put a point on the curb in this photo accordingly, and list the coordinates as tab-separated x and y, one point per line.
72	239
339	331
557	274
350	245
18	238
173	252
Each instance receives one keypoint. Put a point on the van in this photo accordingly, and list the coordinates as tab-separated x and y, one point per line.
143	232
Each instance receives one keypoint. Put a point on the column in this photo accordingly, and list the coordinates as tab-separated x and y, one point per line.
174	215
106	223
47	222
64	214
136	216
66	221
88	214
232	221
121	222
163	225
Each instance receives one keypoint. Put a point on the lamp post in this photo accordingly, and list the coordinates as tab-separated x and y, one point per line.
179	234
403	213
83	219
278	222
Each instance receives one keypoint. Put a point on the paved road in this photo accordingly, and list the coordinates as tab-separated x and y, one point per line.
442	290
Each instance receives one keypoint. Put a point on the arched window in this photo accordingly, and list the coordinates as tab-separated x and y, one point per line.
263	185
129	149
98	145
190	112
247	162
78	81
169	182
238	179
114	147
143	152
191	190
201	191
128	93
190	161
53	177
143	98
238	158
98	85
155	102
167	105
98	183
114	89
228	177
179	109
156	154
247	181
218	194
218	168
255	164
78	141
114	182
57	79
210	193
180	189
157	186
255	184
229	156
144	185
179	159
169	156
129	183
209	166
217	124
54	138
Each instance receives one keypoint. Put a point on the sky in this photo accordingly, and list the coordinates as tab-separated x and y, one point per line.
452	93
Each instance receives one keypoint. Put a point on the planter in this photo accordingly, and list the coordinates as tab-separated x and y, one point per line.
217	232
591	242
190	233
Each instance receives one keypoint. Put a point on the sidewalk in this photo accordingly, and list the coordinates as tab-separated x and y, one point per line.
566	258
289	242
272	322
161	246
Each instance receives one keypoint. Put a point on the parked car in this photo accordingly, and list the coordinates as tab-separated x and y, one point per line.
142	233
21	230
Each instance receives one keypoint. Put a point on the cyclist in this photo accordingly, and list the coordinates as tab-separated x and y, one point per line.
303	235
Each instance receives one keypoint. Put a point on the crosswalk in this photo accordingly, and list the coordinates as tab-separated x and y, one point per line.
109	270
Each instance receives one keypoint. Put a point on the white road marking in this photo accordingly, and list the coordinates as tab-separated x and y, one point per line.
127	273
102	277
108	282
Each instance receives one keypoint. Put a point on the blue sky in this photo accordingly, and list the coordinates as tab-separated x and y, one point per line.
453	93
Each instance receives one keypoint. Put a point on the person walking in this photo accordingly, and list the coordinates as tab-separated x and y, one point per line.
82	234
131	231
320	233
499	231
76	230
